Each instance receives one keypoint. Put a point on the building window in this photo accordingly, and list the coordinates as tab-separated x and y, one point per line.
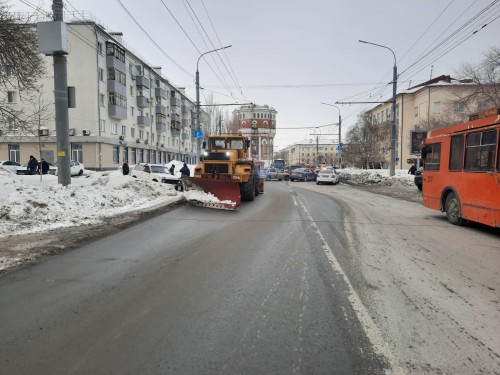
132	132
102	125
116	51
117	99
102	100
99	48
141	134
14	153
458	107
10	71
132	111
116	154
101	74
131	90
437	107
11	97
12	124
124	130
77	152
113	128
416	111
134	156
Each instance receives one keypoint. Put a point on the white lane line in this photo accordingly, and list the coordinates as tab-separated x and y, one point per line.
369	326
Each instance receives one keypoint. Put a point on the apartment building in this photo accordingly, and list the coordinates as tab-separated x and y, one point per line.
259	124
437	103
126	110
310	151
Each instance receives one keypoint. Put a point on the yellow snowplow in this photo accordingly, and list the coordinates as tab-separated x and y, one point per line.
227	172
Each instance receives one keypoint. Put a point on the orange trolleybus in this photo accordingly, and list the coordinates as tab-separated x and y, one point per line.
462	170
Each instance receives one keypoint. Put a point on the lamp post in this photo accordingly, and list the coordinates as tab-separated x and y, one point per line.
198	128
392	163
340	132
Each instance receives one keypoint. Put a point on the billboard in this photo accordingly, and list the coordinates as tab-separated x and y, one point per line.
416	141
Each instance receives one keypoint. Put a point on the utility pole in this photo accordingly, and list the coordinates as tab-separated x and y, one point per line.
61	104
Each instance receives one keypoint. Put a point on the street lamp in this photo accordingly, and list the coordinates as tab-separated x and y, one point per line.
392	162
198	128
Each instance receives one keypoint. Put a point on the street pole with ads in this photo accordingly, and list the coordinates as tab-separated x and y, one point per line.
392	163
340	131
198	110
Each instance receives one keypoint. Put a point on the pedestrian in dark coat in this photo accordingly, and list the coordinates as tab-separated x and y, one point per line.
44	166
172	169
185	170
412	169
32	165
125	169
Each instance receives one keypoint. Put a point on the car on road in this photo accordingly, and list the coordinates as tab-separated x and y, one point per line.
303	174
158	173
327	176
75	167
10	165
276	174
418	177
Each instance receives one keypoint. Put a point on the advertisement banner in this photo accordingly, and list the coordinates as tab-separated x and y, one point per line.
416	141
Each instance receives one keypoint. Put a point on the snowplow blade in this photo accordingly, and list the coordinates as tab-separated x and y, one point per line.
227	194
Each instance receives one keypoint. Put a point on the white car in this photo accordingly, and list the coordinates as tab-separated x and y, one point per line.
327	176
76	168
156	172
10	165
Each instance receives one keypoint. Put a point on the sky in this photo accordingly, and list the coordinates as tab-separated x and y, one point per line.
294	55
29	204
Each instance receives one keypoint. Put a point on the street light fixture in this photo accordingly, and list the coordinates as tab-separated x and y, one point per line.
198	128
392	163
340	131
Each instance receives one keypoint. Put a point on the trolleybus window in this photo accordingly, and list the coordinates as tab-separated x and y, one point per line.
433	157
480	151
457	153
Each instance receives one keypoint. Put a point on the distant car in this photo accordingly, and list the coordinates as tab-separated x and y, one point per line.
76	168
303	174
10	165
418	177
158	173
276	174
327	176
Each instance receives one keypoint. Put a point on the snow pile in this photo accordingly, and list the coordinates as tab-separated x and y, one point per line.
377	177
30	205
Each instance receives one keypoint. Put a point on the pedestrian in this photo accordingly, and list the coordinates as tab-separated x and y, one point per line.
32	165
125	168
185	171
172	169
44	166
412	169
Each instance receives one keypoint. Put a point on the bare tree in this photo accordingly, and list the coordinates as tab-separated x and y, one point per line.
21	66
486	76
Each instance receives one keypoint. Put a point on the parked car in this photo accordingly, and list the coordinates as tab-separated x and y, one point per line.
418	177
303	174
327	176
76	168
158	173
10	165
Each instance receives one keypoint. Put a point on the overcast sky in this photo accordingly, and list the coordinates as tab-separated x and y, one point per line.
294	54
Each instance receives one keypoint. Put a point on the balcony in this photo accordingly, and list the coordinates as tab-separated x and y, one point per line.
116	86
113	62
160	92
185	122
161	127
175	117
142	81
160	109
185	136
184	109
143	120
117	112
142	101
175	102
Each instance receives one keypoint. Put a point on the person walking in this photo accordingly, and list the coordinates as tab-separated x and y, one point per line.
172	169
412	169
125	168
185	171
32	165
44	166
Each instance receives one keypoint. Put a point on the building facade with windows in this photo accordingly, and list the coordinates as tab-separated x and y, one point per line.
309	151
259	124
125	109
420	109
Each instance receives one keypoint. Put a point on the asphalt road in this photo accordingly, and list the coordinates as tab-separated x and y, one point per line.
306	279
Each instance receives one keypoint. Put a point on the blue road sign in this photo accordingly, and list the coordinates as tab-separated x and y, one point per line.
340	148
198	134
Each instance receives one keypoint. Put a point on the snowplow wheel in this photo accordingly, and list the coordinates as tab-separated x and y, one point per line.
256	184
247	191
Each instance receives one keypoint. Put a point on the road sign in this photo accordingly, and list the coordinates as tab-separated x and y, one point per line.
340	148
198	134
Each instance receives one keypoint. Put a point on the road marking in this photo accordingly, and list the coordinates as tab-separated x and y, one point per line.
367	323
